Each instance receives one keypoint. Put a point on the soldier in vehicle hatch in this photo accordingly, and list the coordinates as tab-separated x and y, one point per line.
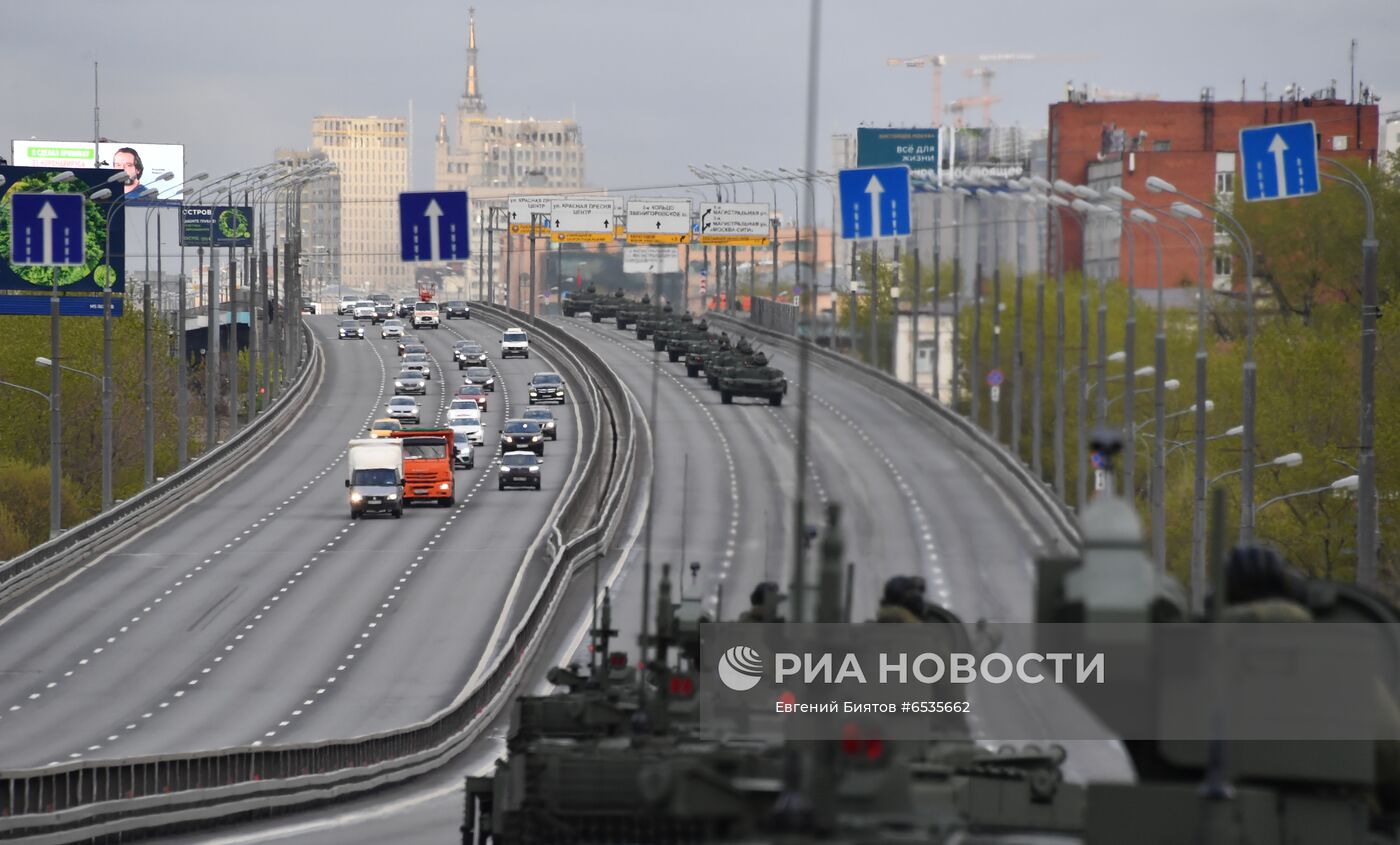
903	600
763	604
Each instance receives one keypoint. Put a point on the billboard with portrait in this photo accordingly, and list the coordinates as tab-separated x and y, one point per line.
104	258
144	162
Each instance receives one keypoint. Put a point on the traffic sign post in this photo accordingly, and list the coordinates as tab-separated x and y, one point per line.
995	378
874	203
1280	161
658	221
433	226
651	259
582	220
48	230
520	209
734	224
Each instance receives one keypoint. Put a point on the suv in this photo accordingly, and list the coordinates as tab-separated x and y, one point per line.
406	306
364	310
425	315
514	341
468	353
546	387
519	469
456	308
346	308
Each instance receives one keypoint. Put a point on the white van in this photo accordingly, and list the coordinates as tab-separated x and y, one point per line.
514	341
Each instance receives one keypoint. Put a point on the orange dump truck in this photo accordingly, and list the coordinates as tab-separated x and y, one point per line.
427	464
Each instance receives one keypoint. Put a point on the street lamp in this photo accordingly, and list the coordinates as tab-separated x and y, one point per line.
1241	238
1350	482
1288	459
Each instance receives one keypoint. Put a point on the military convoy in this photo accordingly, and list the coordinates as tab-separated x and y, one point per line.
630	311
650	321
753	378
606	307
580	302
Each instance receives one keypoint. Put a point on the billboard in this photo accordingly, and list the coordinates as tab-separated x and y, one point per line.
100	269
232	225
143	161
915	148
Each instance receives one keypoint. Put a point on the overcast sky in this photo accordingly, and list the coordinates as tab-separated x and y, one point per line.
654	84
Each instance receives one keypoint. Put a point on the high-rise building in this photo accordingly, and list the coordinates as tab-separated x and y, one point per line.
502	152
371	154
320	223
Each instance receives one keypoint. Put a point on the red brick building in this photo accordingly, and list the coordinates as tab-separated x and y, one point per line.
1192	145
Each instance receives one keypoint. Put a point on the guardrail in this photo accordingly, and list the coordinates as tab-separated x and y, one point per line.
90	799
22	575
1053	521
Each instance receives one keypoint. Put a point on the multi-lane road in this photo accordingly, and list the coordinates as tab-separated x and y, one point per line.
724	486
261	613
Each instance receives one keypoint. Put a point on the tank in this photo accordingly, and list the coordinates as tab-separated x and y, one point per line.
630	311
580	302
648	322
669	331
694	339
725	361
753	378
605	307
698	360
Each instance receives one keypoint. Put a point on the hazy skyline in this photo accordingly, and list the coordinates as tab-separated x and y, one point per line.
655	86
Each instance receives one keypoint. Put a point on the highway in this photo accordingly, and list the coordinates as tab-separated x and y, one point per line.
724	489
261	613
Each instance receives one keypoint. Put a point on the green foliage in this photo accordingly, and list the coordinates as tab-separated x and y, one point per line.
24	506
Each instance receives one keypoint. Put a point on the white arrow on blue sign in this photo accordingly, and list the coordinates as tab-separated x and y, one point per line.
874	202
433	226
48	230
1280	161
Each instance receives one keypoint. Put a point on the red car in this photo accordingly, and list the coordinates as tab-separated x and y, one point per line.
472	391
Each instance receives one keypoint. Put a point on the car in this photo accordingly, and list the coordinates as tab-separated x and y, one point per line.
382	312
406	306
517	435
472	391
456	308
352	330
407	341
475	432
346	308
514	341
462	410
415	348
425	315
482	376
545	417
418	362
381	299
410	381
310	307
404	409
364	310
463	448
384	426
468	353
519	469
547	387
391	328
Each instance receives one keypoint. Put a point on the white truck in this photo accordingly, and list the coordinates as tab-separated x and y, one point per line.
425	315
376	477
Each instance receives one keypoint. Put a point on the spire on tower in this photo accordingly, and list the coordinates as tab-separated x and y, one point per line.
471	100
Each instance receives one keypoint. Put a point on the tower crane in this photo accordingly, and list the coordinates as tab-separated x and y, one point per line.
938	61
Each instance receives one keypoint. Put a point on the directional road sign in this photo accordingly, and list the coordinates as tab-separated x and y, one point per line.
520	209
48	230
582	220
658	221
874	202
734	223
995	378
433	226
650	259
1279	161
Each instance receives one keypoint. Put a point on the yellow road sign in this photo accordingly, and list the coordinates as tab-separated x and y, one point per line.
581	237
657	238
734	240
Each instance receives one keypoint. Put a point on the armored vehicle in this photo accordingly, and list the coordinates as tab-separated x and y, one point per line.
649	321
725	360
698	359
580	302
605	307
753	378
667	332
630	311
696	338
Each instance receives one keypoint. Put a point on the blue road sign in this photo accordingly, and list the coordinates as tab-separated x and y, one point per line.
1099	461
48	230
433	226
1279	161
995	378
874	202
68	306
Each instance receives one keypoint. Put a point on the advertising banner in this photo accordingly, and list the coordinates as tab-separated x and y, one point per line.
103	265
233	225
142	160
197	225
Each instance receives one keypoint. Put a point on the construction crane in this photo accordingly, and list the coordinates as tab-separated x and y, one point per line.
938	61
987	99
962	104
